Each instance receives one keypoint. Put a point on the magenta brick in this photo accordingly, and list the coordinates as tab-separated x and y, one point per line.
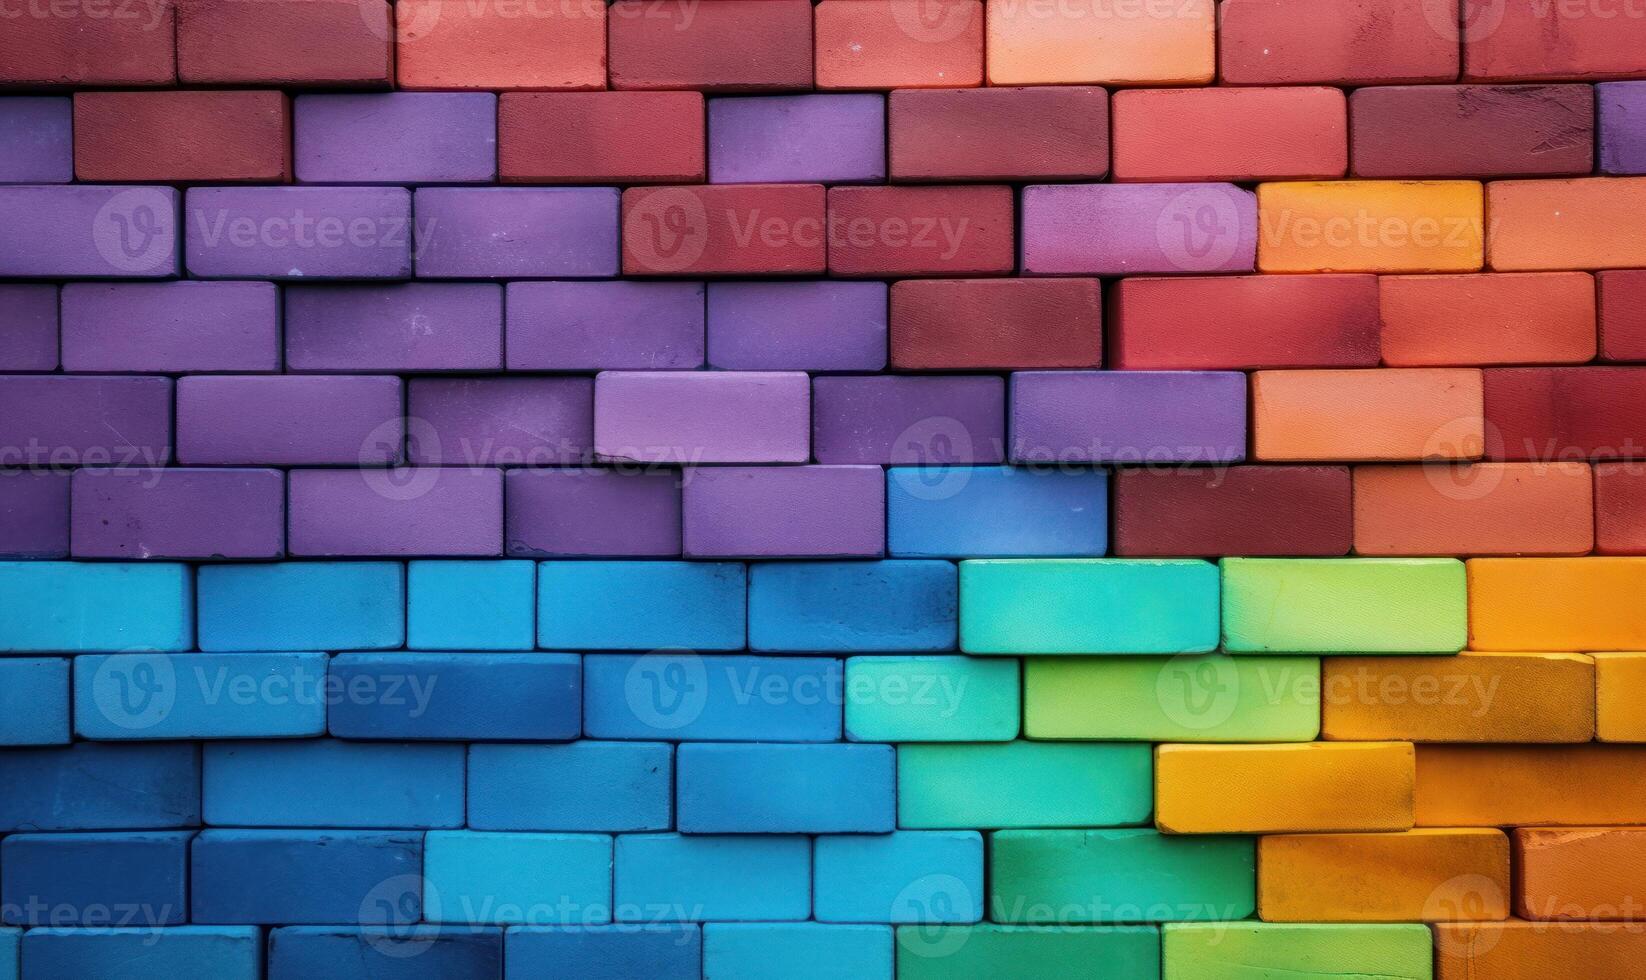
909	420
600	326
298	232
179	513
289	420
171	327
408	511
65	420
702	416
516	232
88	231
797	326
28	327
500	421
1138	229
784	512
413	326
592	512
34	513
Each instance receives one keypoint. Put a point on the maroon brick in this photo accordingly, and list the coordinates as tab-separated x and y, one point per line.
1337	42
66	44
1472	130
285	42
1622	297
182	136
711	45
600	137
1620	508
724	229
1562	414
921	231
1302	511
995	324
1044	133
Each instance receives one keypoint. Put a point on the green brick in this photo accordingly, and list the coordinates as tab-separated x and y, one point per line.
1093	605
932	699
1345	605
1189	698
1266	951
1023	784
991	952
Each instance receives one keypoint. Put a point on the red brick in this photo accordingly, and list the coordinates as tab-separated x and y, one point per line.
1473	130
1561	414
712	45
1236	510
1230	134
501	44
1045	132
1243	322
81	49
1554	40
887	44
920	231
1622	314
182	136
1492	318
995	324
1620	508
724	229
285	42
1337	42
600	137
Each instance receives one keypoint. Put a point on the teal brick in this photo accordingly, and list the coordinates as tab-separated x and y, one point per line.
912	876
303	605
517	878
471	605
1096	605
1024	784
1028	952
641	605
932	699
796	951
88	607
713	877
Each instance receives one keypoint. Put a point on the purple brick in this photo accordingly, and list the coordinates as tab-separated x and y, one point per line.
1138	229
289	420
500	421
36	139
171	327
409	326
63	420
396	138
797	139
784	511
601	326
400	512
702	416
797	326
1128	417
909	420
592	513
34	513
1622	127
298	232
28	328
179	513
516	232
88	231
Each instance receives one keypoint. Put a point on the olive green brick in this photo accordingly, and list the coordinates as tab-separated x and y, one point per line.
1024	784
933	699
1345	605
1267	951
995	952
1088	605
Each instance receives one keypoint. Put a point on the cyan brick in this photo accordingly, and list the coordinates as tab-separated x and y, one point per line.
517	879
11	946
407	952
737	788
34	701
595	787
796	951
933	699
330	783
471	605
85	607
729	878
305	877
640	605
912	876
303	605
100	786
199	695
68	880
458	696
1088	605
684	697
655	952
996	512
175	953
874	606
1024	784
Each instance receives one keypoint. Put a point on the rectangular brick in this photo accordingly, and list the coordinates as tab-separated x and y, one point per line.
673	47
588	512
980	699
506	878
1473	130
1565	224
1047	605
607	787
302	605
1556	604
1583	874
995	324
1371	226
196	704
459	696
451	44
1022	784
723	877
1045	44
1125	952
1541	42
785	789
978	134
1233	510
85	420
1494	318
1622	125
702	417
101	786
471	605
65	880
171	327
784	511
919	420
178	512
641	605
41	147
594	326
858	877
1212	950
1622	314
29	329
345	513
939	511
309	876
723	713
724	229
920	231
1423	875
1311	788
291	232
791	139
291	420
516	232
40	47
1137	229
1128	417
1533	949
501	421
1376	415
285	42
1344	605
347	953
1619	715
743	949
34	513
1528	785
1559	414
415	326
1620	508
325	782
663	949
1240	134
1338	42
177	137
229	952
82	607
881	606
396	138
821	325
1474	509
89	231
1470	697
596	137
899	44
37	702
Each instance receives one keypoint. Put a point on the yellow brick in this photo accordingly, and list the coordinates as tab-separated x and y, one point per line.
1530	785
1586	604
1316	787
1429	875
1471	697
1371	226
1620	697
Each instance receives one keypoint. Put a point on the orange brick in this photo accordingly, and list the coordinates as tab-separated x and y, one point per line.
1530	785
1553	40
1513	318
1517	950
887	44
1580	873
1101	43
1470	697
1427	875
1372	415
1584	223
1620	711
1590	604
1238	134
1370	226
177	136
285	42
1474	509
459	44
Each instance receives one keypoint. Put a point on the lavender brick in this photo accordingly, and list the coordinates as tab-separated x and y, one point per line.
516	232
411	326
1138	229
501	421
298	232
36	139
785	511
797	139
702	416
1622	107
34	513
601	326
1128	417
797	326
909	420
28	327
88	231
429	511
592	513
171	327
179	513
289	420
396	138
84	420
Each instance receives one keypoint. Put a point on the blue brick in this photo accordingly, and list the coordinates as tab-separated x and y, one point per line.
471	605
473	696
872	606
303	605
753	878
640	605
597	787
97	786
796	951
517	879
118	880
787	789
34	701
728	698
652	952
328	783
83	607
411	952
11	944
305	877
913	876
996	512
199	695
175	953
